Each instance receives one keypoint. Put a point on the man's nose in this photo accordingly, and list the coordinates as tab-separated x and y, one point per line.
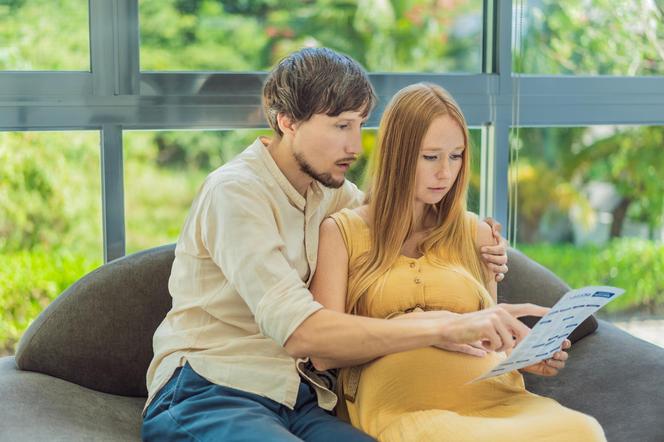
354	145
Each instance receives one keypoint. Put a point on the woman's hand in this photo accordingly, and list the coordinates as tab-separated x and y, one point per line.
496	256
550	367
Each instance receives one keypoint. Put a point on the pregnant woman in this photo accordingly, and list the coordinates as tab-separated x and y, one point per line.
413	251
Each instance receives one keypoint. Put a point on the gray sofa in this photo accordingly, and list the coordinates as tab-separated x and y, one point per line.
79	370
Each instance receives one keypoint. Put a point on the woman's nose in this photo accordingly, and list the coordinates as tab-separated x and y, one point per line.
444	170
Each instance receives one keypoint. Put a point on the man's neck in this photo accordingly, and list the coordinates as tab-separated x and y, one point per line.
282	155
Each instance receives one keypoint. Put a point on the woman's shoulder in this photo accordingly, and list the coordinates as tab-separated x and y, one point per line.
357	217
352	224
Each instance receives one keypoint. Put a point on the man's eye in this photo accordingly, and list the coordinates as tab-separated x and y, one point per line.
342	126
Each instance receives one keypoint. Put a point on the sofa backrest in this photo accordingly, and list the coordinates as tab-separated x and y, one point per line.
98	332
528	281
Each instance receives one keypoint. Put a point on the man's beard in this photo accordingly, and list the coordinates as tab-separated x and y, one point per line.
324	178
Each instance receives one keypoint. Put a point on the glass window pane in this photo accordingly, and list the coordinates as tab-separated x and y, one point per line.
163	172
44	35
591	209
413	36
591	37
50	221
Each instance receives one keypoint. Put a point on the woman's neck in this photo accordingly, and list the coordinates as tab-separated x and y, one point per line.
421	218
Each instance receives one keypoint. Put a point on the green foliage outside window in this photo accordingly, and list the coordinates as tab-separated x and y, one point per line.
384	36
592	37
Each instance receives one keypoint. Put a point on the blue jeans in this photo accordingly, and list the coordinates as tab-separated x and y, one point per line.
189	408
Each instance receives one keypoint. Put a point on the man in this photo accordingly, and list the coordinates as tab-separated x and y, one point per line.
231	357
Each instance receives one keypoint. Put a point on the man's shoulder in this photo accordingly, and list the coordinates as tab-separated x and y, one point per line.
231	175
348	195
230	188
239	173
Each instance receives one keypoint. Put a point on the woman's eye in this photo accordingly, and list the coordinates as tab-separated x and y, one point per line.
456	156
430	157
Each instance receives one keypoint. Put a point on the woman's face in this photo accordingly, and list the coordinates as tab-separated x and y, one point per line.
440	160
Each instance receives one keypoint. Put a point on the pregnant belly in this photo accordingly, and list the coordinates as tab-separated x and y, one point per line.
430	378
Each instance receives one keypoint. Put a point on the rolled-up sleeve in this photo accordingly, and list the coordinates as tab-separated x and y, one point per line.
240	233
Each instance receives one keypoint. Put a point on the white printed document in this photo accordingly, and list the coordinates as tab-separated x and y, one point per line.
547	336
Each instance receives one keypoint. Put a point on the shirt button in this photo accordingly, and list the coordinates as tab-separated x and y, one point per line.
418	280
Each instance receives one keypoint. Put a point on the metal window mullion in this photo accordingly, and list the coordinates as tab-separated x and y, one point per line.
496	60
499	185
486	171
112	187
496	141
489	17
127	40
102	46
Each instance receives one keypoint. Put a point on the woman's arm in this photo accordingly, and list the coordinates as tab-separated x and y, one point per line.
485	237
329	284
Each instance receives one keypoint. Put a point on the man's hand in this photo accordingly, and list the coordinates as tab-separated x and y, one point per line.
474	348
496	256
550	367
494	329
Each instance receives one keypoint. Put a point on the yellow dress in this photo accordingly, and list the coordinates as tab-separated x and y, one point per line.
423	395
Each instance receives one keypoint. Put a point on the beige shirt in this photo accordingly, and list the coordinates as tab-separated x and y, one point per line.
239	282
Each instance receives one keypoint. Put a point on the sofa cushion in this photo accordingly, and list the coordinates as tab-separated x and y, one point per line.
98	332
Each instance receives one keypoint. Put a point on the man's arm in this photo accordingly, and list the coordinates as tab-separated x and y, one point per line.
240	233
334	339
239	230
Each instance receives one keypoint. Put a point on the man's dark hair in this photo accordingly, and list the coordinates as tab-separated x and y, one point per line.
315	81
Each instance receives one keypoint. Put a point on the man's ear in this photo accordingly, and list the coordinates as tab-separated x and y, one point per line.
287	124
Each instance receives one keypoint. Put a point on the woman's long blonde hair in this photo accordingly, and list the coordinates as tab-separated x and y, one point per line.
451	242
